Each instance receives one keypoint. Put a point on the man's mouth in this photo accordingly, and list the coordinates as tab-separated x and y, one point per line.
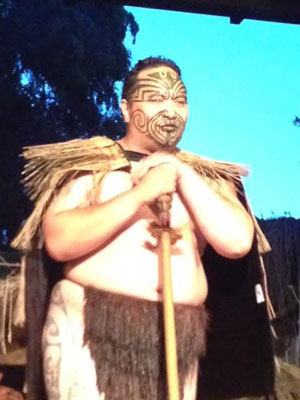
168	127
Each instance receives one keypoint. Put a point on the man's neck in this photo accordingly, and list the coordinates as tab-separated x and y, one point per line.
130	143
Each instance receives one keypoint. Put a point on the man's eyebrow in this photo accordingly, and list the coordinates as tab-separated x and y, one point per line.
157	92
176	95
180	93
152	93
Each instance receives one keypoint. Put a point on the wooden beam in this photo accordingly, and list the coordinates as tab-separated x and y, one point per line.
285	11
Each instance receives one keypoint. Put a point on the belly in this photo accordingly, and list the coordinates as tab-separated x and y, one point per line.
129	265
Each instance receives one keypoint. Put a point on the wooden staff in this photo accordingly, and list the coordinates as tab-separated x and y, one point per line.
164	206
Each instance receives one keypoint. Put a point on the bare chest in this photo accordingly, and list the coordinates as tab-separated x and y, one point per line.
118	182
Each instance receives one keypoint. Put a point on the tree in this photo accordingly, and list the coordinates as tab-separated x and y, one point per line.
58	73
296	121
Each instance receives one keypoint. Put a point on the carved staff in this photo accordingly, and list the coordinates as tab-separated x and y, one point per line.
164	206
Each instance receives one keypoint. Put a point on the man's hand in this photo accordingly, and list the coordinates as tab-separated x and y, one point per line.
157	174
154	160
157	181
7	393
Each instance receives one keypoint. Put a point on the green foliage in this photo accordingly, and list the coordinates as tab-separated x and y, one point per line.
58	69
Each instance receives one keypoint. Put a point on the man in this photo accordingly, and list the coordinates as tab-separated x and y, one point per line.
103	336
107	246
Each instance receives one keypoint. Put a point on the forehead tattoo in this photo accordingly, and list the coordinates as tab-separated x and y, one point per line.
167	83
169	78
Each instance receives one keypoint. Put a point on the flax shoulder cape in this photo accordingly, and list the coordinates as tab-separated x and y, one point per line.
239	360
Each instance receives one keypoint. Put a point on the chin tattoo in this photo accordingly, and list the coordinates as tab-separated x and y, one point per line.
160	128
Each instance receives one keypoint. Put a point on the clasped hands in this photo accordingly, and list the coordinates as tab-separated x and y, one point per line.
159	173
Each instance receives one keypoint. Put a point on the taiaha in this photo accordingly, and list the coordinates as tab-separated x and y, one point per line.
164	206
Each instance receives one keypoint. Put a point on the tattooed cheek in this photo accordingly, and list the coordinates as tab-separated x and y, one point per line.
140	121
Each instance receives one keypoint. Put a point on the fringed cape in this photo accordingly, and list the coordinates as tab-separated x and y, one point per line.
239	359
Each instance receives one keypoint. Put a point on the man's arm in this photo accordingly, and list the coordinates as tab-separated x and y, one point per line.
73	233
217	213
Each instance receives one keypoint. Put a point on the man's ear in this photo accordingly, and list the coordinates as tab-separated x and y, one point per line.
124	106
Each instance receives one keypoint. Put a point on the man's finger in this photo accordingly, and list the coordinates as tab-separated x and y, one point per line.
143	169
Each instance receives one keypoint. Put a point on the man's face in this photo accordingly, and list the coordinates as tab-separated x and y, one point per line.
157	106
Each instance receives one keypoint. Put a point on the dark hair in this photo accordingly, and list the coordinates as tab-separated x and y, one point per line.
149	62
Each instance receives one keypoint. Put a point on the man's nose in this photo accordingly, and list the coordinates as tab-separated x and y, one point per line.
170	108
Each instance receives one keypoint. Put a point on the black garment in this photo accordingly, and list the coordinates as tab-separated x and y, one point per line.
239	360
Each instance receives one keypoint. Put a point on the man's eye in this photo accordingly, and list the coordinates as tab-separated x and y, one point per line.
180	100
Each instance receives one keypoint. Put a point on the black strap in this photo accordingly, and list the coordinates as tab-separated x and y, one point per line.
134	155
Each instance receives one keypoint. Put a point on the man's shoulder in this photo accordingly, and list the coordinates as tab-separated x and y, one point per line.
212	168
70	148
78	154
49	168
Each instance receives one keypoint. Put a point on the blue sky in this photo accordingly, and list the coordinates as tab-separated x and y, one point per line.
243	91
